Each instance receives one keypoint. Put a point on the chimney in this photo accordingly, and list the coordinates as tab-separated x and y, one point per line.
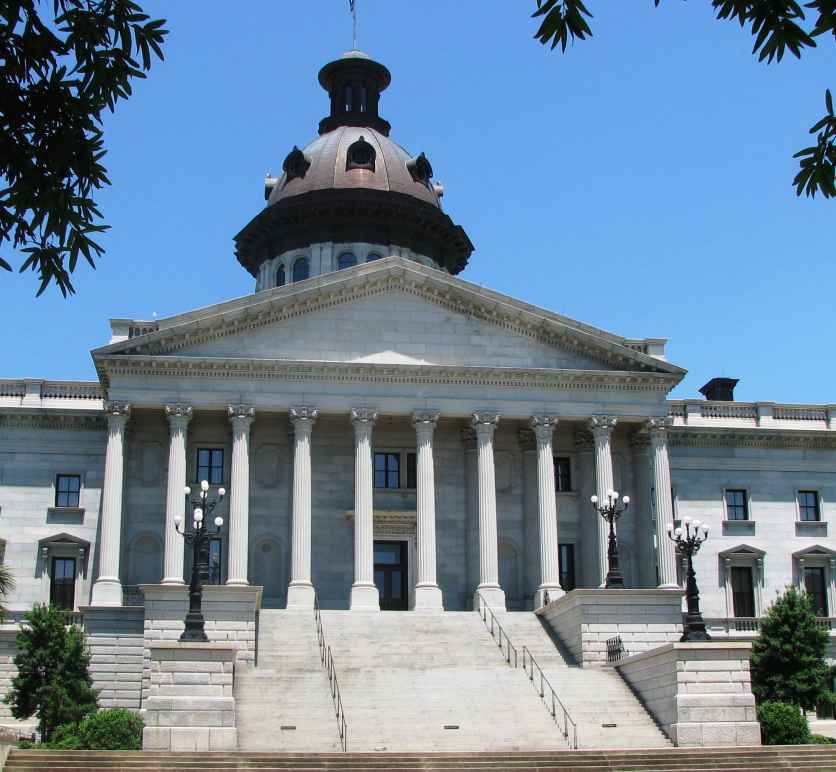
720	389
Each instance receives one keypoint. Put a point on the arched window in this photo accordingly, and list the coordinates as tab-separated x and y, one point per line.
281	279
349	102
301	269
346	260
364	99
373	256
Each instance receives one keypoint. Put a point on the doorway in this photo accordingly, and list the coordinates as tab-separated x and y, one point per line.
391	570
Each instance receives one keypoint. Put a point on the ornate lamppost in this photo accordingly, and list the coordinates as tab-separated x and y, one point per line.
688	544
199	537
611	511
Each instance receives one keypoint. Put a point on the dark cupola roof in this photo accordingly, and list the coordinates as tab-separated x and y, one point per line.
353	183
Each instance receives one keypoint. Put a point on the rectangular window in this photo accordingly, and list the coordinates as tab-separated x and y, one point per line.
387	470
808	506
62	583
215	555
743	591
67	488
562	474
210	465
566	563
814	583
737	507
411	470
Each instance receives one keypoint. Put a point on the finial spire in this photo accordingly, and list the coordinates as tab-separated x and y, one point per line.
352	4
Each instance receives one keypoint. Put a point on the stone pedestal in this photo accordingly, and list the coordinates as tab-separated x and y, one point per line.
585	620
190	706
699	693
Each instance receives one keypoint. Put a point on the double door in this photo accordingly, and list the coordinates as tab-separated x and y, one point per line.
391	570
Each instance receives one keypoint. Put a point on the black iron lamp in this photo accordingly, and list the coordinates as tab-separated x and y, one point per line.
688	543
611	510
199	537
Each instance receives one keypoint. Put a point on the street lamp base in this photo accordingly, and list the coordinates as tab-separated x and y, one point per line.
614	582
194	628
694	630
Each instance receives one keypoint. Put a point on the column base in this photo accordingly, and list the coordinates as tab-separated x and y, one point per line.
554	591
300	595
106	592
237	583
492	594
364	597
173	580
669	586
428	598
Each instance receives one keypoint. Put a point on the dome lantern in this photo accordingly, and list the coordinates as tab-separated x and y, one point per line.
354	82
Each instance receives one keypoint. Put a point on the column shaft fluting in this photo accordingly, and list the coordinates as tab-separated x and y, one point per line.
665	551
364	593
107	591
175	501
301	592
601	428
241	418
543	427
427	592
489	588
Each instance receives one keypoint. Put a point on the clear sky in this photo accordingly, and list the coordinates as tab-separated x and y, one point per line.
640	182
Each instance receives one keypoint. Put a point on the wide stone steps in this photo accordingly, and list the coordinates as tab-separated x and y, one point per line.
807	758
606	711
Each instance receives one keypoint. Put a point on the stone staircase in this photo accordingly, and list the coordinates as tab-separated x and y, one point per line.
809	758
284	704
606	711
432	682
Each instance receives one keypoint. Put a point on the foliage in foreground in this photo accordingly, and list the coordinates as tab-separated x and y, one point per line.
782	724
52	679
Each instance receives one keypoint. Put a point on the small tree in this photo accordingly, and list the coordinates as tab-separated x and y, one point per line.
52	679
7	583
788	659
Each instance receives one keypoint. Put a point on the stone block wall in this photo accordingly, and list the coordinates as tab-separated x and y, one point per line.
8	649
699	693
584	620
190	706
116	640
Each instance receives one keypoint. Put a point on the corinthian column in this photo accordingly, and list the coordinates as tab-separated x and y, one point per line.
175	501
300	593
543	427
665	552
427	591
485	425
241	417
107	591
601	428
364	594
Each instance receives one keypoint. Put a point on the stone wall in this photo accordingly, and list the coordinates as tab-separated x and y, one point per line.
116	641
585	619
699	693
8	649
190	705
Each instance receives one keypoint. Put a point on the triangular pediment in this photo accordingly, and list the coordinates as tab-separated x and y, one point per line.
391	312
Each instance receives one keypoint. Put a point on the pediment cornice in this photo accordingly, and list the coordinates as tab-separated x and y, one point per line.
390	275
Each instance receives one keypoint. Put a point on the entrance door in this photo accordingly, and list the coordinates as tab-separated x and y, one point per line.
62	589
390	574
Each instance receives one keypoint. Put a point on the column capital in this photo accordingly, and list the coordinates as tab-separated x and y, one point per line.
601	426
303	417
117	413
241	416
363	417
178	414
424	421
658	428
485	423
543	427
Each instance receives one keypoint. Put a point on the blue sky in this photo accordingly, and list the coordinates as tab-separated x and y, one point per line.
640	182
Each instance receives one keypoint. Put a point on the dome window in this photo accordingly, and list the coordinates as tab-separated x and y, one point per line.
301	269
296	164
360	155
346	260
281	277
420	169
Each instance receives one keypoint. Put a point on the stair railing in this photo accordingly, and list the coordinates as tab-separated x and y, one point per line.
549	697
507	648
327	659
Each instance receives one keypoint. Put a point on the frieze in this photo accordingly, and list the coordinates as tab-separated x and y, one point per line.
763	438
56	422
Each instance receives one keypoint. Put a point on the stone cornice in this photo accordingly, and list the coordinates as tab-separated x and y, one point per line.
392	274
59	421
363	372
751	438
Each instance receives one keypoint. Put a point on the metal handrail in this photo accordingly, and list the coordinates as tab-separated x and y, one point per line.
496	630
327	659
529	664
